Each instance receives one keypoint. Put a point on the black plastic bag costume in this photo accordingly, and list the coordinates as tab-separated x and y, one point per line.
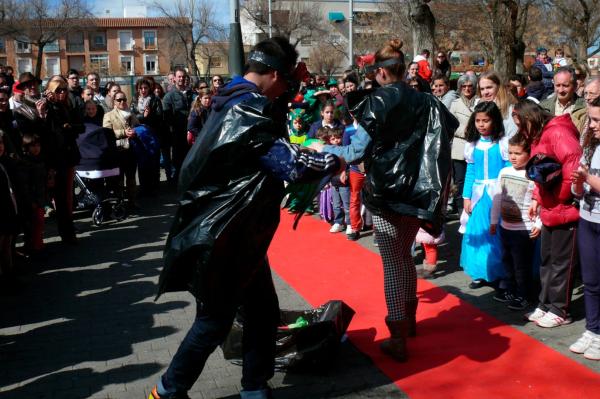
229	209
409	166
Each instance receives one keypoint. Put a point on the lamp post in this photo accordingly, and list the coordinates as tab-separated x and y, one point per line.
236	46
270	19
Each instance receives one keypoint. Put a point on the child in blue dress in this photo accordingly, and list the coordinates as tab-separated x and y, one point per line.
486	154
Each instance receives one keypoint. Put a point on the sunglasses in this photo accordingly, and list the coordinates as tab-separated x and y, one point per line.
120	100
61	90
218	80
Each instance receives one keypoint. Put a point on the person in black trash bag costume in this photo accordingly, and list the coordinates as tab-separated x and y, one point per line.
232	186
405	141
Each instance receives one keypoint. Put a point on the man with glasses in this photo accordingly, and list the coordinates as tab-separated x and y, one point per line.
75	100
590	93
176	109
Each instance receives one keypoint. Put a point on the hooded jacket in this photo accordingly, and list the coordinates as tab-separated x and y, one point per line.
409	166
559	141
230	203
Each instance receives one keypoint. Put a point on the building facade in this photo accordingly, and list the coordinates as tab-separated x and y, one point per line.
110	46
333	19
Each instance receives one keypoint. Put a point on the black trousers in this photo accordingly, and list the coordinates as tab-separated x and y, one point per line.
560	258
459	169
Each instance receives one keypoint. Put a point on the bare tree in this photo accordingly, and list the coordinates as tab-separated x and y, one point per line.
580	20
325	59
417	16
193	22
295	20
41	22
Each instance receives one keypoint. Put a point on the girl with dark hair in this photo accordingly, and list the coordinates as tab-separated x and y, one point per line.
586	185
557	140
486	154
406	185
328	118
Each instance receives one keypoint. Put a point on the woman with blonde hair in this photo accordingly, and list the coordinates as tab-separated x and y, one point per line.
491	88
407	179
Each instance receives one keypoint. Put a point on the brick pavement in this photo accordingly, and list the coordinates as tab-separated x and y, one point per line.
86	325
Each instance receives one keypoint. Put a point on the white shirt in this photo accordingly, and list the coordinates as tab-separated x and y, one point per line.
511	200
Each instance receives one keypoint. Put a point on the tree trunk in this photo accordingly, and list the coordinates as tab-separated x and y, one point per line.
504	19
38	61
519	55
422	24
582	46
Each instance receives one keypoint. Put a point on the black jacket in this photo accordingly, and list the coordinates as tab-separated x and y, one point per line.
229	208
154	118
409	166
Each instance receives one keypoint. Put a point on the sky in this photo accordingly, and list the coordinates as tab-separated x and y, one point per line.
115	8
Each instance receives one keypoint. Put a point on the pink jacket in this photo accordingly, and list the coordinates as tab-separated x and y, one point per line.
559	140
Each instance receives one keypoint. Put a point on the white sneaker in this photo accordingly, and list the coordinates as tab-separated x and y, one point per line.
583	343
551	320
348	229
593	351
336	228
535	315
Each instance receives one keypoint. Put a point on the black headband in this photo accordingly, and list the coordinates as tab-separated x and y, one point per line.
392	61
265	59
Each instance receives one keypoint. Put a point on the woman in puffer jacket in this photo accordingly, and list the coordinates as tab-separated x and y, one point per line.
557	139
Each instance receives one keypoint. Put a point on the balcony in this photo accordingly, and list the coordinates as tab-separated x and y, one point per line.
51	48
97	46
75	47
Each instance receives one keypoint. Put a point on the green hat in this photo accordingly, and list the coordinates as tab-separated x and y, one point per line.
331	82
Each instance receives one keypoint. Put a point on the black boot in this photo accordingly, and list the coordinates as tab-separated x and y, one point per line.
411	314
395	346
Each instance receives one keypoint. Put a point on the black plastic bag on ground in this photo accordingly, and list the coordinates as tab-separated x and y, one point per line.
308	347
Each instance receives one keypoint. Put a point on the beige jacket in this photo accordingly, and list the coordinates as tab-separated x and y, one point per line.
462	112
115	121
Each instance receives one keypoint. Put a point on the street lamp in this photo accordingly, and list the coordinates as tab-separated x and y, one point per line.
236	46
350	32
270	19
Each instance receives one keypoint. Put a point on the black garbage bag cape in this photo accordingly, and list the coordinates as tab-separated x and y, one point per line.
409	167
229	207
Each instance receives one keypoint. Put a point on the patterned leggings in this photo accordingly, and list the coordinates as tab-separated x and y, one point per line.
395	235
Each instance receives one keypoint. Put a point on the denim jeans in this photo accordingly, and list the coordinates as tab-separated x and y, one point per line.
260	312
341	205
589	253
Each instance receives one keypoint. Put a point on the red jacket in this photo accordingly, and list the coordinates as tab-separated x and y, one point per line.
424	68
560	140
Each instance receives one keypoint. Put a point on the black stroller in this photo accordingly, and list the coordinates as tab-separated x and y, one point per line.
97	175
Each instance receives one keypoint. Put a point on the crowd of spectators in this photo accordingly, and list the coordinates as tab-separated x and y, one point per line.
549	116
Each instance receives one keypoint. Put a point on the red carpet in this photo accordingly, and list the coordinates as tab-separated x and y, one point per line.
460	351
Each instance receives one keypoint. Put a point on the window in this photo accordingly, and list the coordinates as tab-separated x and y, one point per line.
2	45
23	45
23	65
150	40
3	60
76	62
75	42
98	41
99	62
52	66
151	64
52	47
125	40
127	64
215	62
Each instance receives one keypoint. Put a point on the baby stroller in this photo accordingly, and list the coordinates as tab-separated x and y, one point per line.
97	175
